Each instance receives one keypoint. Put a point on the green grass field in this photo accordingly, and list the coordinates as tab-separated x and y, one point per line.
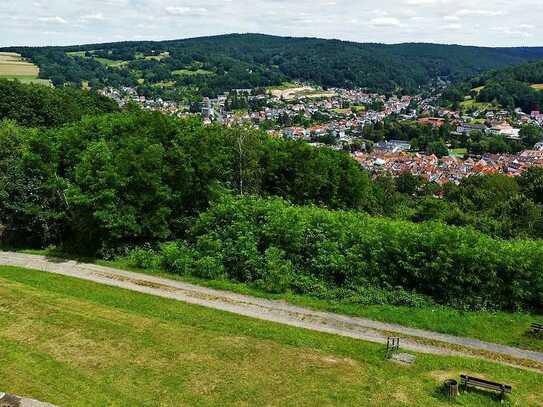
472	104
188	72
111	63
104	61
77	54
76	343
505	328
458	152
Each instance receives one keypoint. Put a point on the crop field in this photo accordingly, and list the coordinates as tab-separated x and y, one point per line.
13	66
75	343
537	86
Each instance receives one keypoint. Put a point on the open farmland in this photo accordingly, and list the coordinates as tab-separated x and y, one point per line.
537	86
13	66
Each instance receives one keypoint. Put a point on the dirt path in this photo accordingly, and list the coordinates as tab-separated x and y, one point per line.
416	340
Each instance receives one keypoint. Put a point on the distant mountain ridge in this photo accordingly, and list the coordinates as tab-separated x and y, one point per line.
218	63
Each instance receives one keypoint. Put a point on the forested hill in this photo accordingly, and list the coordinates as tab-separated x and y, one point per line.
519	86
213	64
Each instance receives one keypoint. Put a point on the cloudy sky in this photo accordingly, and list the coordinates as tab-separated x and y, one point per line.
475	22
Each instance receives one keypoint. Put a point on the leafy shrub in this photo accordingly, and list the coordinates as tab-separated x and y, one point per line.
375	260
209	267
177	257
278	274
144	258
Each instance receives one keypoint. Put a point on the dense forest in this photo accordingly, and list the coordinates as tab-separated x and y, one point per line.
513	87
235	203
209	65
41	106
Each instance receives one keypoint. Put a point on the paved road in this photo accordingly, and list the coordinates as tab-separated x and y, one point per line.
416	340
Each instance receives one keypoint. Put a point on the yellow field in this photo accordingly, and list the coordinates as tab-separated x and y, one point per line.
12	66
537	86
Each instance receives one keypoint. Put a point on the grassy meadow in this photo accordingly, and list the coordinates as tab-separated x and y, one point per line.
76	343
473	104
189	72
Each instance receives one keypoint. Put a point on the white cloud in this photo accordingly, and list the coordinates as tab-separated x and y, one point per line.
385	21
93	17
55	19
479	12
186	11
44	22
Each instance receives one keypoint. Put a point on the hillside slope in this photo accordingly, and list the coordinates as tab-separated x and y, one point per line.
76	343
518	86
214	64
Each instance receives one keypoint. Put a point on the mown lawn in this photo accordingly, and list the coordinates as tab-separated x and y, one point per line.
512	329
506	328
76	343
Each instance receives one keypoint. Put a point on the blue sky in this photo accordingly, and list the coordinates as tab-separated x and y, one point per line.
482	22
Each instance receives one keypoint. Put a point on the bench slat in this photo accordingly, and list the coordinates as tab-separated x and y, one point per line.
474	381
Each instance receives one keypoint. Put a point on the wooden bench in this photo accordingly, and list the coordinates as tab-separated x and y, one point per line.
537	328
485	384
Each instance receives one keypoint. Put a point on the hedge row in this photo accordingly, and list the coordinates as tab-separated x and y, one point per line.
311	250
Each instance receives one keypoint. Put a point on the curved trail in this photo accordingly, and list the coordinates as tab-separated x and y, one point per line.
416	340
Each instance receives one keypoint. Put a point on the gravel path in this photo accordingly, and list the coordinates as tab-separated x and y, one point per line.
9	400
416	340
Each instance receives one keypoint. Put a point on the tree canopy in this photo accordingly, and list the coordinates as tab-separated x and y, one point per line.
214	64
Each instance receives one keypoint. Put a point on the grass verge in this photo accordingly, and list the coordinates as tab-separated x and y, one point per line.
512	329
76	343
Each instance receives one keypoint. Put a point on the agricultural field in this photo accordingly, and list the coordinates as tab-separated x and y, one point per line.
13	66
72	342
537	86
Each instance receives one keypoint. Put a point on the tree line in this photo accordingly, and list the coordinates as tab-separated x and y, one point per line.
252	60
